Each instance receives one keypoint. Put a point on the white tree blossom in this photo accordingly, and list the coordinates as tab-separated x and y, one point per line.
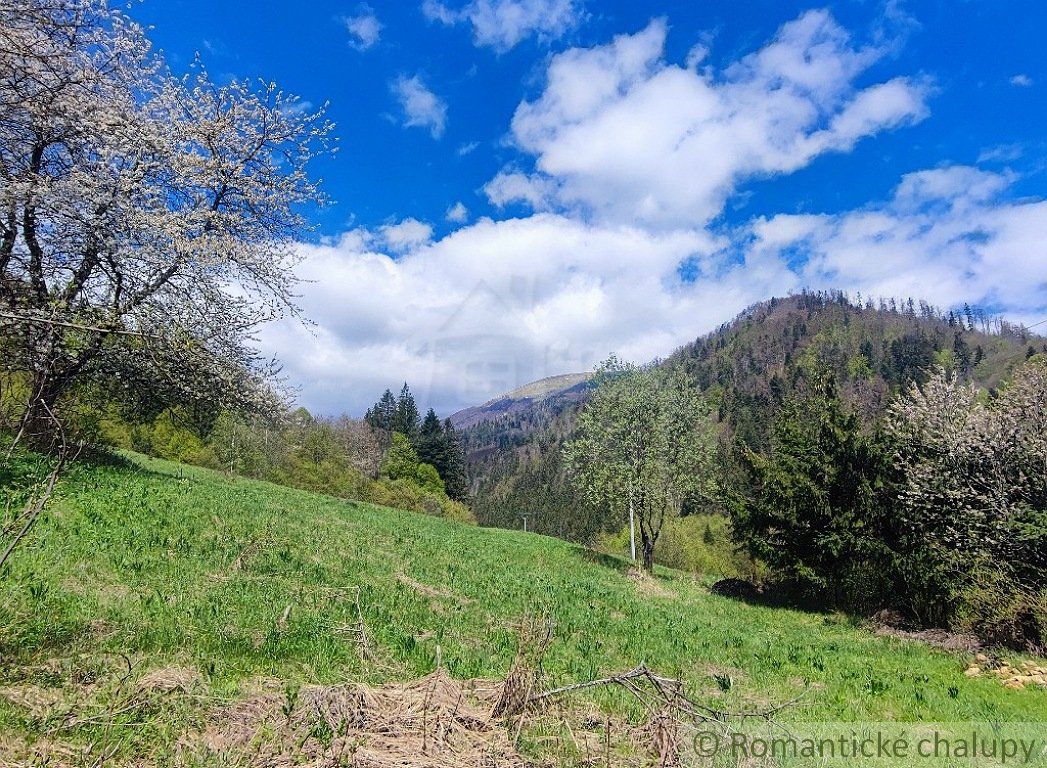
973	469
146	220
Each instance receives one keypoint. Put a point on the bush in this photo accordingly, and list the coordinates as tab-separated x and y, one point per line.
695	543
1001	612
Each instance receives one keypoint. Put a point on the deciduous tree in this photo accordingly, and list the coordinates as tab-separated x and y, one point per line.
147	221
644	446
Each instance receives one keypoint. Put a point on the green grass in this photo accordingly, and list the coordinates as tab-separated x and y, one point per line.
172	565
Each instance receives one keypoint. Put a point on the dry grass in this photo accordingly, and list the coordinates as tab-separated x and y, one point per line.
432	722
648	585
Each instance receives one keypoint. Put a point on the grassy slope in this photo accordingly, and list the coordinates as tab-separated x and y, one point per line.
142	560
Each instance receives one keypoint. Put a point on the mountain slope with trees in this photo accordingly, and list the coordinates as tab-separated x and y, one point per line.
869	457
870	350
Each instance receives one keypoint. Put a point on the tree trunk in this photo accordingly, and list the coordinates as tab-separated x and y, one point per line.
39	426
648	553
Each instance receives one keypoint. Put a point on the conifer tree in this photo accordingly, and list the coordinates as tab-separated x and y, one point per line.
381	415
431	445
453	471
405	417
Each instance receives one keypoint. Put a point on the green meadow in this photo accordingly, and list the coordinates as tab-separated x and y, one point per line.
142	565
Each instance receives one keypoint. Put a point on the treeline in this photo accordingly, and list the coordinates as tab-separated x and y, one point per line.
937	511
420	468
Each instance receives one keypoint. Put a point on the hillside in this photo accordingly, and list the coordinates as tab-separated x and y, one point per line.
549	392
156	599
746	367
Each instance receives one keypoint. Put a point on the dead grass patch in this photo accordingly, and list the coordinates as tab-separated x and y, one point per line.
649	585
432	722
430	591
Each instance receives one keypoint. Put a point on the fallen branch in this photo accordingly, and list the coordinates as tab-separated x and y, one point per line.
667	707
35	506
667	690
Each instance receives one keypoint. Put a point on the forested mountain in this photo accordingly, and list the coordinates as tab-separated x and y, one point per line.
551	391
747	367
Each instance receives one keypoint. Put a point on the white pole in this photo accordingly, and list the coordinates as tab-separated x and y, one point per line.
632	526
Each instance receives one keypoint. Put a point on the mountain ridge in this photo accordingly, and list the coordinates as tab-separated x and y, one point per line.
746	367
563	386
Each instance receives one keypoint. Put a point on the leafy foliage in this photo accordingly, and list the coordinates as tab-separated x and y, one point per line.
643	447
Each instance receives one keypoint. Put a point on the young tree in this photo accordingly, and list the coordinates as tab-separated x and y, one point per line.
644	446
147	222
361	445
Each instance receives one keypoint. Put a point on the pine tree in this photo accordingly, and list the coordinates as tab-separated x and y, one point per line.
431	446
405	417
453	472
381	415
962	352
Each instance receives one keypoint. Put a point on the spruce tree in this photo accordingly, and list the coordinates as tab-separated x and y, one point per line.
453	471
381	415
431	445
405	417
810	506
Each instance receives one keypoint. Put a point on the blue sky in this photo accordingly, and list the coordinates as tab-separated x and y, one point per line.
521	184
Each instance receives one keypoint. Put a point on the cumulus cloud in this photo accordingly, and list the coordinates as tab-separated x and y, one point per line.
457	213
632	137
364	28
634	158
1021	80
491	306
513	187
946	235
421	107
501	24
406	234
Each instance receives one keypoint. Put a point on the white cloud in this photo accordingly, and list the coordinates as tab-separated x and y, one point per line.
501	24
1021	80
631	137
1001	153
406	234
457	213
422	108
492	306
364	28
511	186
634	158
947	235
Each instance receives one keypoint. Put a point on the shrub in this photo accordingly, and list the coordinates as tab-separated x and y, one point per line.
694	543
